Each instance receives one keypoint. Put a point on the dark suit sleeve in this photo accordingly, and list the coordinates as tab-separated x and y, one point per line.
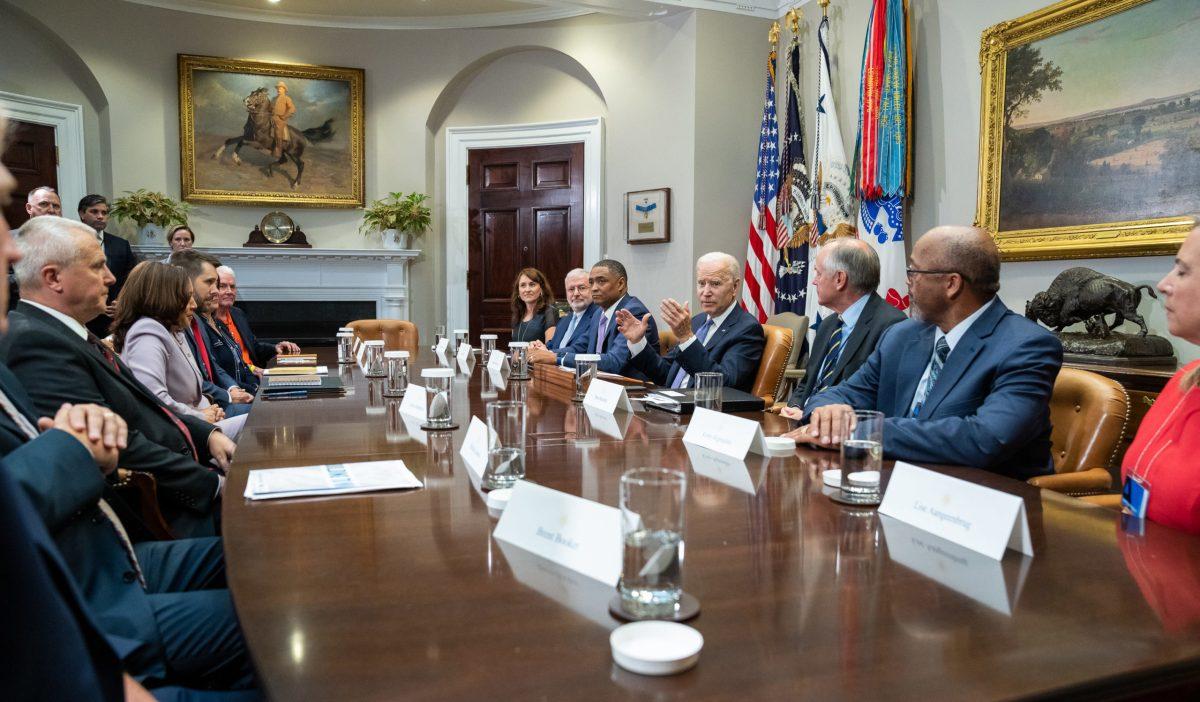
1006	420
656	368
861	390
739	364
616	355
580	343
58	475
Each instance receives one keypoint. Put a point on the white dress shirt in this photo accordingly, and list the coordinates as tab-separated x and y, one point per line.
953	336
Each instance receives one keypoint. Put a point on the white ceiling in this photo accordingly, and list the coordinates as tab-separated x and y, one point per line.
444	14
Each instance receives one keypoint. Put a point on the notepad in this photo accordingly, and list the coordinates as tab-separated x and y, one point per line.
331	479
294	381
297	370
299	359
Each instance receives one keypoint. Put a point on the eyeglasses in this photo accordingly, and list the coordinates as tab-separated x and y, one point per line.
910	272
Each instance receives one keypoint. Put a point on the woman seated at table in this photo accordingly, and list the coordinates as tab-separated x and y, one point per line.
153	311
1163	455
533	311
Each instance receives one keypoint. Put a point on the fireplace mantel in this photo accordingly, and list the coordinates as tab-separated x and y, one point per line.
379	275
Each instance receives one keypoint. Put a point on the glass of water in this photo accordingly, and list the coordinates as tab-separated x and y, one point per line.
506	458
585	370
487	344
862	455
519	359
373	359
439	333
708	390
438	382
345	343
652	505
460	338
397	373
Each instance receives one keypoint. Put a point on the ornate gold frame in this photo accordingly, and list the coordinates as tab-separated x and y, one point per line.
187	154
1146	237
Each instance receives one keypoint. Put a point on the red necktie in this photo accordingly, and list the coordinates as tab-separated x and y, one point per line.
203	349
112	361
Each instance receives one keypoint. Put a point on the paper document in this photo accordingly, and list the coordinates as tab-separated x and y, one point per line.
332	479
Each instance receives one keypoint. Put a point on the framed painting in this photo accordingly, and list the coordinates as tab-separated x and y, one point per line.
1090	129
648	216
260	133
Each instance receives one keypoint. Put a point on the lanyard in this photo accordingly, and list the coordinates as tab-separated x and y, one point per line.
1141	475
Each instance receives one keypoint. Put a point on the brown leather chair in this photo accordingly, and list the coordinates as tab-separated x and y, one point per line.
794	371
666	341
139	490
396	334
776	351
1088	413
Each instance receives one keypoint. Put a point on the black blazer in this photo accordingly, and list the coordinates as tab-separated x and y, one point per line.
261	352
121	261
223	351
877	315
57	366
734	350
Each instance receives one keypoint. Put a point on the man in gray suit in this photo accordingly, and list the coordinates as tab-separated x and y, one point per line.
845	275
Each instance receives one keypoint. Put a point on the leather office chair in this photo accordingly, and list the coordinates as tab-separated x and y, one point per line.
139	490
396	334
666	341
793	372
776	351
1089	413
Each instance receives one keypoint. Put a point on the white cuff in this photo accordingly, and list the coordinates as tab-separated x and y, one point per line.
635	349
684	344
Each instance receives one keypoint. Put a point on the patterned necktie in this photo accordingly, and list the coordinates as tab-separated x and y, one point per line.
682	379
601	333
26	428
833	351
112	361
940	351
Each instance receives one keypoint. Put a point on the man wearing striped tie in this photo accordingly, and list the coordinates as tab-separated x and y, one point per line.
845	276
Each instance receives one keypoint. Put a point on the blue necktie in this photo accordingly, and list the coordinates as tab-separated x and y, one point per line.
682	378
570	331
833	351
940	351
601	331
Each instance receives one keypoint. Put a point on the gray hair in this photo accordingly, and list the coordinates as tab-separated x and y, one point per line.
856	259
47	241
720	257
226	269
41	188
574	272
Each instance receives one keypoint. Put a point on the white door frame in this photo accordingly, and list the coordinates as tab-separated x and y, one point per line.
67	120
459	140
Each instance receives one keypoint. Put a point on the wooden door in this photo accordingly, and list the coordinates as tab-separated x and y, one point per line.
526	209
32	157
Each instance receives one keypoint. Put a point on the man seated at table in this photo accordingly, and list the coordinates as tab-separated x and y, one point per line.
572	326
219	356
255	354
64	283
966	381
610	292
723	338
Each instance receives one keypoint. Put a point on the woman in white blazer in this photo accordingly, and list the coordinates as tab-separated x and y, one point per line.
153	313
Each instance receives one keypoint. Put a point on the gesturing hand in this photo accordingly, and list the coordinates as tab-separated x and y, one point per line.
631	327
679	318
101	431
221	447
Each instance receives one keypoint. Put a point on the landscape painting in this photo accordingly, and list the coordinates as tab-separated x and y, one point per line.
1098	126
263	133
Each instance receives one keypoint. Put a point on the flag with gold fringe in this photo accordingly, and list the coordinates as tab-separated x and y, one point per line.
794	215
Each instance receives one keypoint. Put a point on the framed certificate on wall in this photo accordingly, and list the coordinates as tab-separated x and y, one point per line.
648	216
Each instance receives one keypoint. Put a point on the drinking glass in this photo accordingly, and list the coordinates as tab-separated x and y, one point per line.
460	338
373	359
345	341
375	401
862	455
506	459
439	333
438	383
487	344
585	370
519	359
395	432
708	390
652	507
397	373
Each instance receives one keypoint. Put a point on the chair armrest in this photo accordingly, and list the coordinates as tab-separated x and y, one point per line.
140	489
794	373
1109	501
1084	482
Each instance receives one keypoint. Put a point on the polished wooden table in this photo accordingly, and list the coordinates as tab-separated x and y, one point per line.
405	595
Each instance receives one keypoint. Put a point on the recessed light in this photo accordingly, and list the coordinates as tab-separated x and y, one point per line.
273	2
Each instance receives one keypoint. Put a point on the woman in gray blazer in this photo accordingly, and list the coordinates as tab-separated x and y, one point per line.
153	312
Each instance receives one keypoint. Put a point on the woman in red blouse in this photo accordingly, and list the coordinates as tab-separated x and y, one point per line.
1165	454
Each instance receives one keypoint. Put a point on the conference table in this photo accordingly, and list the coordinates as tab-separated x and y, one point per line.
406	594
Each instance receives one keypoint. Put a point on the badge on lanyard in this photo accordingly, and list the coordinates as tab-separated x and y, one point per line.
1134	497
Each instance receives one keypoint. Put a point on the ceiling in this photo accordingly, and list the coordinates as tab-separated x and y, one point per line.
445	14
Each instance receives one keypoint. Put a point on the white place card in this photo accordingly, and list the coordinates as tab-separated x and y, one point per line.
441	347
414	401
970	515
412	425
474	450
360	352
607	423
722	468
607	397
579	534
499	382
464	354
723	433
575	591
498	362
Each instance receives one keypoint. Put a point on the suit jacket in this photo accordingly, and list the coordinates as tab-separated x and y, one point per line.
57	366
260	352
165	366
615	358
560	329
224	352
735	350
216	385
990	407
51	645
877	316
121	261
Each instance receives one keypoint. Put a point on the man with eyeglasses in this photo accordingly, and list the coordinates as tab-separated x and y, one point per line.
572	326
966	381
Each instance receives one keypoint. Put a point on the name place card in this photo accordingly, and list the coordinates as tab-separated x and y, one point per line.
441	347
607	397
982	519
497	362
414	401
575	533
464	354
731	471
607	423
360	352
475	447
723	433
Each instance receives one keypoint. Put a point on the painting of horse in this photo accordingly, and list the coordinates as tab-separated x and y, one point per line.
261	133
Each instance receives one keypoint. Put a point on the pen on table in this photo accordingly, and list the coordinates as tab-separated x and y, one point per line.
287	395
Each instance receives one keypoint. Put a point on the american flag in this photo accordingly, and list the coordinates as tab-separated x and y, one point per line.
758	292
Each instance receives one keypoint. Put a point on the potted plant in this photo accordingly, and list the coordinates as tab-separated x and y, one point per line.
153	212
398	217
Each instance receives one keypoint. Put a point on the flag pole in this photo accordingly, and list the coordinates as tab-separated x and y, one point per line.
824	7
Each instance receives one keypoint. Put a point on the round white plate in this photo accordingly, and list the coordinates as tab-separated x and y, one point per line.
832	478
656	648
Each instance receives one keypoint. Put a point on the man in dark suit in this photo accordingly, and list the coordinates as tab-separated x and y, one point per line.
845	275
572	326
58	361
723	338
966	381
93	211
610	292
255	354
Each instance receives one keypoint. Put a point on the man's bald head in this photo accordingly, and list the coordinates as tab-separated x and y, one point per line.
969	251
